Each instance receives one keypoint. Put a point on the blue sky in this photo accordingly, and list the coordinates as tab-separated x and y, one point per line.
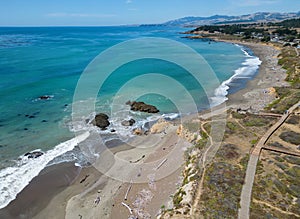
119	12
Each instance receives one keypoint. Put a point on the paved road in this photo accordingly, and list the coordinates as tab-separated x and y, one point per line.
251	167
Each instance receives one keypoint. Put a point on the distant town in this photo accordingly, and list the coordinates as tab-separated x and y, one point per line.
286	32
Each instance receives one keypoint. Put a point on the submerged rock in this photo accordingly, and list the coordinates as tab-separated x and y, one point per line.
101	120
129	122
45	97
142	107
34	154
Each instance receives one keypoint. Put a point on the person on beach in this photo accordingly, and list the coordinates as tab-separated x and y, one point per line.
97	200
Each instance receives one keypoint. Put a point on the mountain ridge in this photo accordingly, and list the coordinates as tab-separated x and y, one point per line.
226	19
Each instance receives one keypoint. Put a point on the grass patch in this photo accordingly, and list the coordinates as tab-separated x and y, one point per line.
256	121
288	60
237	115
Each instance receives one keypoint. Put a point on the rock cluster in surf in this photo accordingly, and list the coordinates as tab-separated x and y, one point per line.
142	107
101	120
34	154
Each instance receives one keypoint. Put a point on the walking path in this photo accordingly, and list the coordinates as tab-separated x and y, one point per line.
297	52
203	166
251	167
275	208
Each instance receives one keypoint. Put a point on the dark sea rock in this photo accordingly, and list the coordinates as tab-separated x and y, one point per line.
34	154
101	120
142	107
45	97
129	122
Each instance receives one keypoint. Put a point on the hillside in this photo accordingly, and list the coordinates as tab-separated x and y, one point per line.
225	19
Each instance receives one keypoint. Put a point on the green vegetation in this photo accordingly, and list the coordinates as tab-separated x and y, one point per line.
223	184
228	152
285	101
201	143
287	96
294	120
256	121
178	198
232	126
244	162
290	137
291	23
224	177
277	186
284	30
254	141
237	115
288	60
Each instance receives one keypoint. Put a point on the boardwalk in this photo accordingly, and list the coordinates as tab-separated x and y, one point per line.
251	167
247	188
268	134
269	114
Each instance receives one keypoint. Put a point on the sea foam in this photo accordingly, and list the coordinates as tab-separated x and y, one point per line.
246	71
15	179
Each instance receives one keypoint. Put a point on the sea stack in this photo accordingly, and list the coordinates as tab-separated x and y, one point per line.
142	107
101	120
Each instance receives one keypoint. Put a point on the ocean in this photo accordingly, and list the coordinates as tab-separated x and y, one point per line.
49	62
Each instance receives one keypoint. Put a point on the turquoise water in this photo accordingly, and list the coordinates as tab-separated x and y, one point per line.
49	61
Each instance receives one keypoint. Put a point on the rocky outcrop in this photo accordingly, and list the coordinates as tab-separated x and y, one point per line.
187	134
34	154
101	121
129	122
160	126
138	131
142	107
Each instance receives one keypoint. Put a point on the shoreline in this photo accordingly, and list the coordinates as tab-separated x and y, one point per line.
253	96
258	92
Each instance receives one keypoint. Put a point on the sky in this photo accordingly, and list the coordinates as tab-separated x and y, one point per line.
122	12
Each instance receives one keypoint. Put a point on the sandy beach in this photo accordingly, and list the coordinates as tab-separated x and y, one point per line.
258	92
149	172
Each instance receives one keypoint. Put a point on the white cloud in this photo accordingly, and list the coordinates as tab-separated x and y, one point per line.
82	15
128	1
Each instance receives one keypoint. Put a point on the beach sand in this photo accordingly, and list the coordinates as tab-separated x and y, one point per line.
150	185
66	191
